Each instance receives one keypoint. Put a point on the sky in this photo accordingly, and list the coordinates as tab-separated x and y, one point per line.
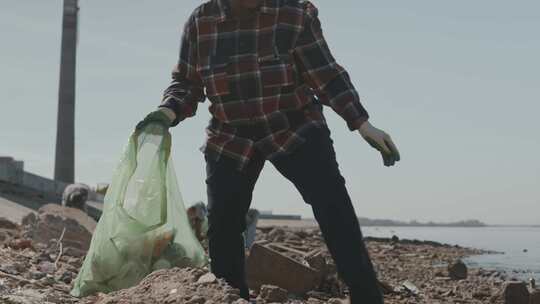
455	83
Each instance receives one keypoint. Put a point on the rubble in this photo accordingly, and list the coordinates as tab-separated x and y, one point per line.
457	270
36	274
409	271
285	265
410	287
266	266
7	224
534	297
516	293
175	286
273	294
54	221
34	271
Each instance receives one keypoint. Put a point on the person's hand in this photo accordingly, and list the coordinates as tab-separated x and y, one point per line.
163	116
381	141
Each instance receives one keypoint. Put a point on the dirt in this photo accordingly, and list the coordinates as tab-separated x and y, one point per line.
409	272
175	285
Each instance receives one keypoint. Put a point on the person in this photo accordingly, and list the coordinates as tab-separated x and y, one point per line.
75	196
252	218
267	70
198	219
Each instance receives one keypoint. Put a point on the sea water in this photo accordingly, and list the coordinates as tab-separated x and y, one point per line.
520	245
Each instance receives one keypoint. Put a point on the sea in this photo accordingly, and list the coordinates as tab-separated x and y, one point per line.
519	247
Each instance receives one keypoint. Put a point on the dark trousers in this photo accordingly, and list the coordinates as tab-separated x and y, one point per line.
313	170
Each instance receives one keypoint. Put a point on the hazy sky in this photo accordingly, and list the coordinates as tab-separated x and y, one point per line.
456	84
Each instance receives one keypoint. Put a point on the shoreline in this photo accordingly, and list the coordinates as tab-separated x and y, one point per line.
410	271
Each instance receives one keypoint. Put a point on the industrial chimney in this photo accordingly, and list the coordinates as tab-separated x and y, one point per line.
64	168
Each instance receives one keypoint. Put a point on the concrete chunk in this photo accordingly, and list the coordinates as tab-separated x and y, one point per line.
268	267
516	293
51	221
273	294
534	297
457	270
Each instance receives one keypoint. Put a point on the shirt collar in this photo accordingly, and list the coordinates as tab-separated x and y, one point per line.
225	11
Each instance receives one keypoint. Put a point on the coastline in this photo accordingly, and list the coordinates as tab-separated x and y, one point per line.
410	271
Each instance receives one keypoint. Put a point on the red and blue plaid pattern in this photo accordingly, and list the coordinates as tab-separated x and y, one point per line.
265	77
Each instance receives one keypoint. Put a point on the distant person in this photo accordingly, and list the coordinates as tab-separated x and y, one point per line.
198	219
267	70
75	196
252	218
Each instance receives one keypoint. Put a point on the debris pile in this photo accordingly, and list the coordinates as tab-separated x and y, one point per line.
53	221
190	286
33	272
409	271
286	265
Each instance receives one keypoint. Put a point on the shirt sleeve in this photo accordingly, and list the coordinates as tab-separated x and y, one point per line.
323	74
186	89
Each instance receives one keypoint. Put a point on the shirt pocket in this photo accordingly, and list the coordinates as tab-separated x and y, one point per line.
276	71
216	77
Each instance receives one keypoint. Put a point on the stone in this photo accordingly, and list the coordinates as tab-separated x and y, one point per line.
29	219
74	262
276	234
51	221
10	269
228	298
24	296
3	287
48	280
7	224
207	278
534	297
4	236
457	270
66	277
337	301
74	252
410	287
271	293
20	244
47	267
196	300
319	295
265	266
480	295
36	275
317	261
516	292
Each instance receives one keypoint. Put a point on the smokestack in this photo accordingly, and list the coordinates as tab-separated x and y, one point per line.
64	168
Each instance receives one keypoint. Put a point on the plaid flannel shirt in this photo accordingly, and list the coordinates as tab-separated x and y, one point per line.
266	78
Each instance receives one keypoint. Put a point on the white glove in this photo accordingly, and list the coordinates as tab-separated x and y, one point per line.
381	141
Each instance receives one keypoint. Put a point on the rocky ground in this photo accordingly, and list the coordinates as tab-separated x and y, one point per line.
409	272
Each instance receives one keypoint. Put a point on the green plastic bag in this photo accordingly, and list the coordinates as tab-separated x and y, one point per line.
144	225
